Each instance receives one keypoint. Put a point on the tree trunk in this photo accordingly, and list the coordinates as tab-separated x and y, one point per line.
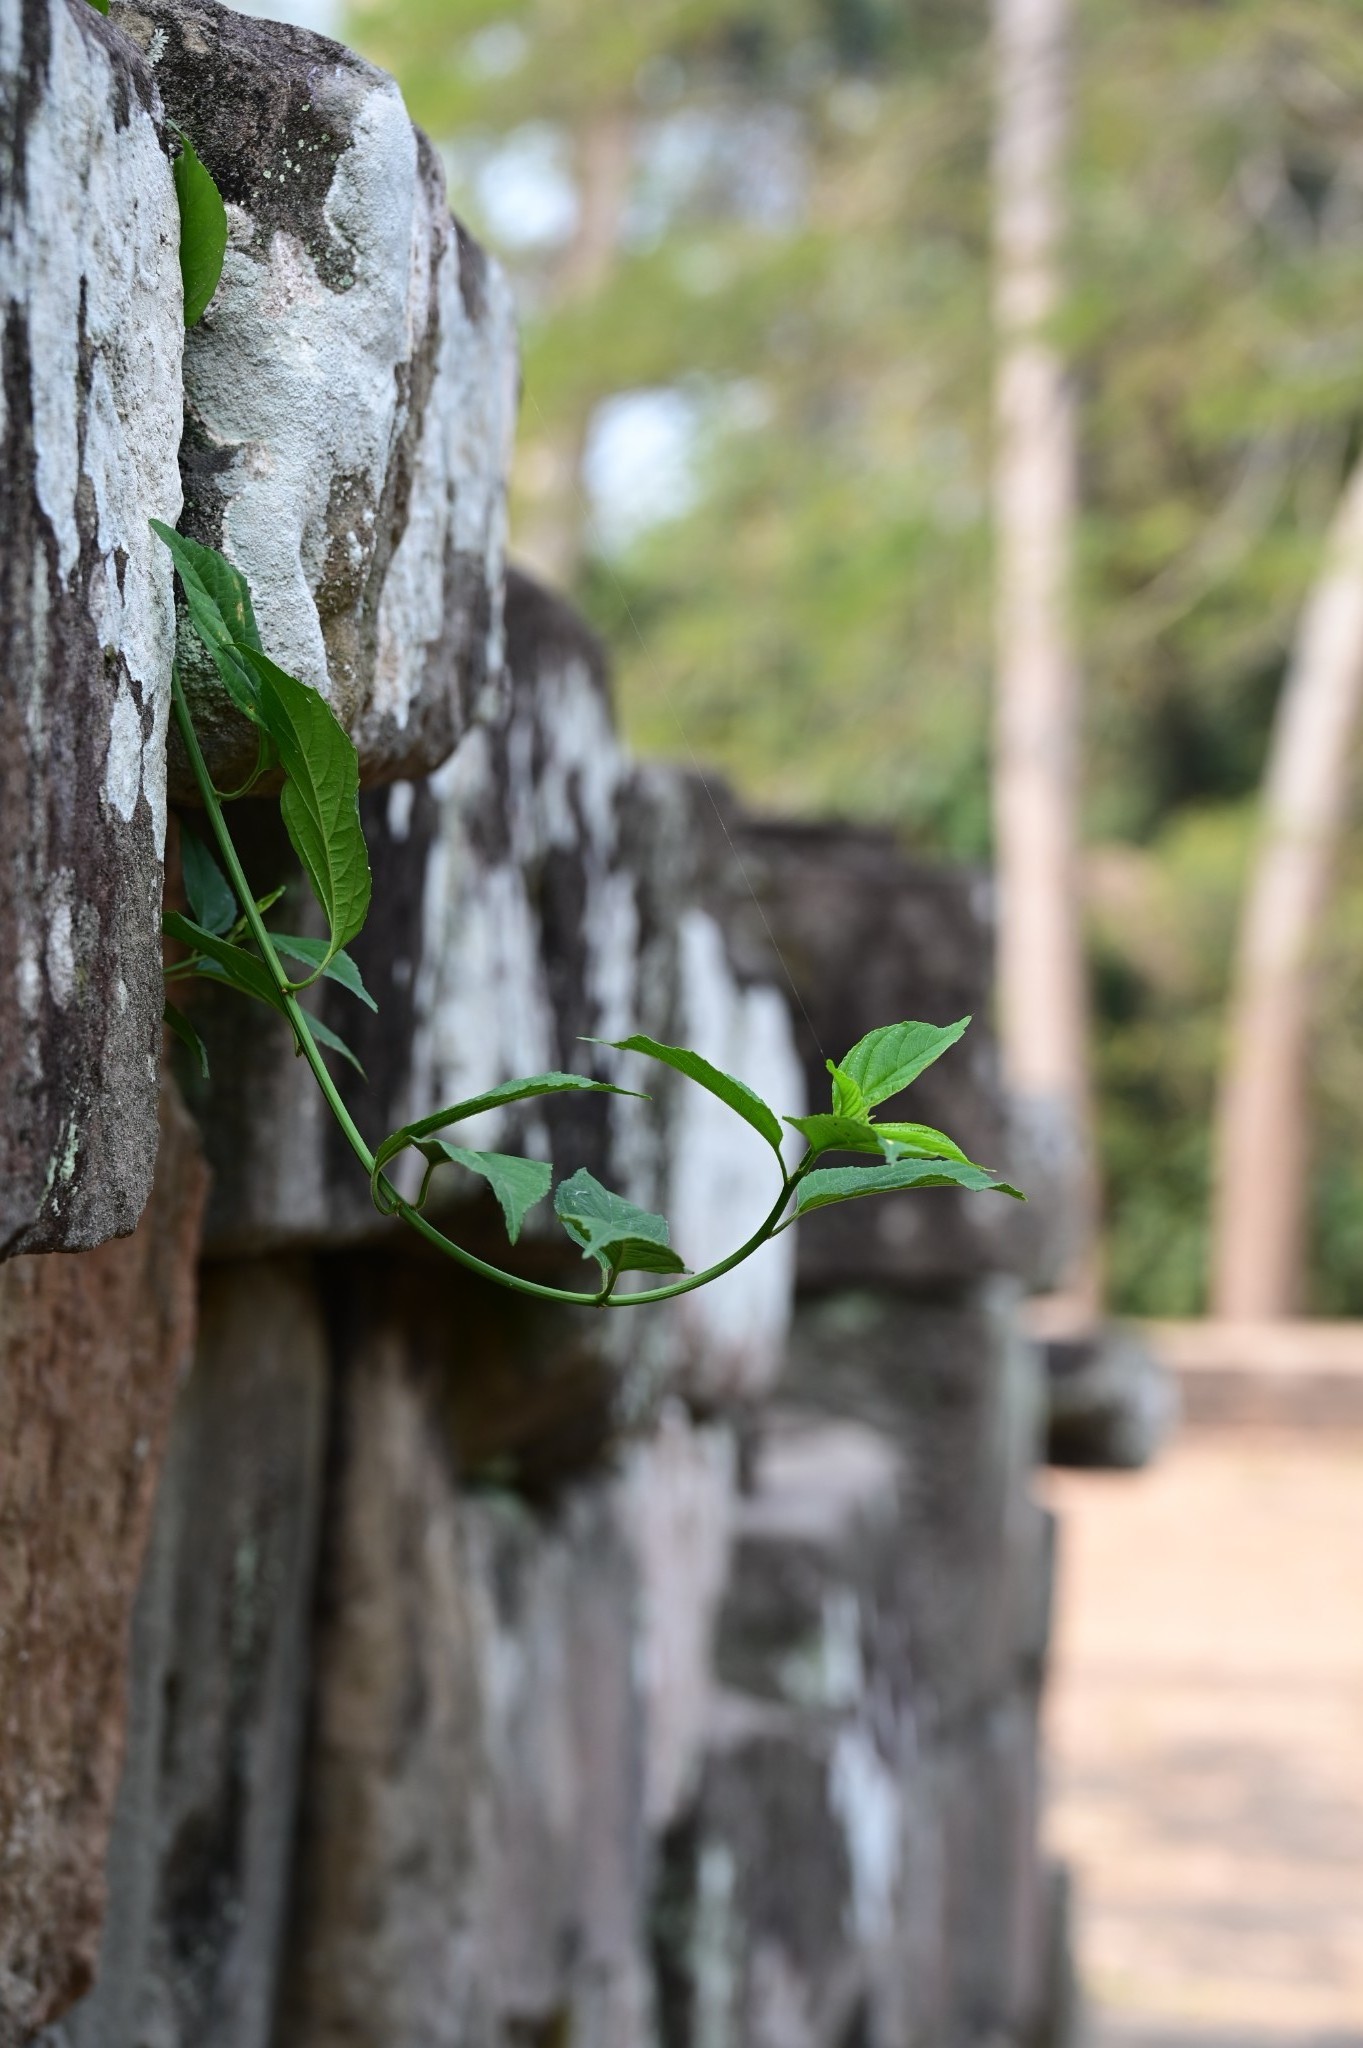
1260	1172
1043	1010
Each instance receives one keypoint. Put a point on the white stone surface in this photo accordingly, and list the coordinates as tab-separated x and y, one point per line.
723	1177
678	1500
351	388
91	297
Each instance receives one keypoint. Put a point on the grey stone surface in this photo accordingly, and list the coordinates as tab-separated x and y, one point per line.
92	335
349	395
1111	1401
199	1860
473	1844
861	1860
960	1392
92	1348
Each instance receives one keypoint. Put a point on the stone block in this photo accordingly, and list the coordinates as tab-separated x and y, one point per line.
959	1391
816	1537
349	395
776	1916
860	1861
472	1850
199	1860
91	305
1111	1400
92	1348
996	1896
678	1487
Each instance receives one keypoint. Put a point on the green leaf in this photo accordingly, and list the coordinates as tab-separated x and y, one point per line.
494	1098
210	895
187	1035
917	1141
887	1060
203	231
836	1133
518	1184
337	967
320	802
218	599
334	1042
619	1236
101	7
736	1094
221	961
889	1141
845	1183
244	970
848	1100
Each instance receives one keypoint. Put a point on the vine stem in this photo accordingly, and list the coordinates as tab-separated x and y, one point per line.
307	1045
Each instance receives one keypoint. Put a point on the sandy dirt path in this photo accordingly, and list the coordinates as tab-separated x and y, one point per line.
1206	1741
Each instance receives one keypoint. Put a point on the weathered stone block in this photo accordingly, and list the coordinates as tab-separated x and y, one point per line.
995	1938
817	1541
776	1916
861	1861
199	1860
91	1351
959	1390
677	1498
1111	1400
91	307
473	1841
349	395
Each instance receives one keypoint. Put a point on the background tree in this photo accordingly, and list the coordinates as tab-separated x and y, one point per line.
1042	995
792	331
1263	1123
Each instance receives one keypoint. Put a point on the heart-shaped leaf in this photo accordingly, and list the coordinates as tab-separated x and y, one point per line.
619	1236
736	1094
187	1035
848	1100
917	1141
218	599
203	231
517	1183
494	1098
333	1042
246	971
846	1183
889	1141
888	1059
320	803
837	1133
209	892
314	953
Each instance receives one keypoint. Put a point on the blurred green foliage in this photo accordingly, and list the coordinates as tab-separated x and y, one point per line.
817	618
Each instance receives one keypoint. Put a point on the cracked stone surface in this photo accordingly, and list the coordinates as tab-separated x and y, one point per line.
349	394
92	1349
90	418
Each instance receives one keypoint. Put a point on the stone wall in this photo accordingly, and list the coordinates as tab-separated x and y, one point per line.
396	1662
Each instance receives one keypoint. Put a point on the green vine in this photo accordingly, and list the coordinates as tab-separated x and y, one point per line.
227	941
